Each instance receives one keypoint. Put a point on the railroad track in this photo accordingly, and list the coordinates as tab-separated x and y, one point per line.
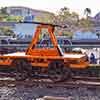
48	84
8	79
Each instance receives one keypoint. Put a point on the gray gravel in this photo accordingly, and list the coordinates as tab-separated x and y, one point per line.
22	92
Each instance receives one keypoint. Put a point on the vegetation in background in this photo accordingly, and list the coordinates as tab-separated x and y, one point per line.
4	16
14	18
87	12
6	31
64	17
46	18
73	21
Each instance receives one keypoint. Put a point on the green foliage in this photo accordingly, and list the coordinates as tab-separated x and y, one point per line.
67	17
86	24
72	20
3	10
68	34
87	12
64	17
98	34
47	18
6	31
4	16
14	18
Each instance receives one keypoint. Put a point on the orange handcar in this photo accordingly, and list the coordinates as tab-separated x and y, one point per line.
52	61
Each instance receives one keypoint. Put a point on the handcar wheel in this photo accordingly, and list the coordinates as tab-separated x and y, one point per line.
57	72
21	76
23	70
27	67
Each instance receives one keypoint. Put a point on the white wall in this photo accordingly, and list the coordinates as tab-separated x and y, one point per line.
25	29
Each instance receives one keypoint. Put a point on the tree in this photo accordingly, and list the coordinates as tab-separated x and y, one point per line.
3	10
87	12
65	16
98	34
75	17
85	24
68	18
3	14
46	18
6	31
64	11
14	18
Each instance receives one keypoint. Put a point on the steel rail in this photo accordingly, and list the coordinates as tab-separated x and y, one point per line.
67	46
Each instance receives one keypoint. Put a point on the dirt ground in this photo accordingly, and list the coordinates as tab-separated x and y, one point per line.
23	92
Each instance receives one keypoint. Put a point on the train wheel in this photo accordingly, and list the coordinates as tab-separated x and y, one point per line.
57	71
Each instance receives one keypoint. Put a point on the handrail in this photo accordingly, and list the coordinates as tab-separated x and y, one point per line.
34	22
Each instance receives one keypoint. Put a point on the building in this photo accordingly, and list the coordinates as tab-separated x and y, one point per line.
28	14
24	11
84	35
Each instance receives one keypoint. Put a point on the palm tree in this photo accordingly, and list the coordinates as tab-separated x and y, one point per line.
98	34
87	12
3	10
64	8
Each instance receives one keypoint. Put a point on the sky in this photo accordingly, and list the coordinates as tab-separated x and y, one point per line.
55	5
